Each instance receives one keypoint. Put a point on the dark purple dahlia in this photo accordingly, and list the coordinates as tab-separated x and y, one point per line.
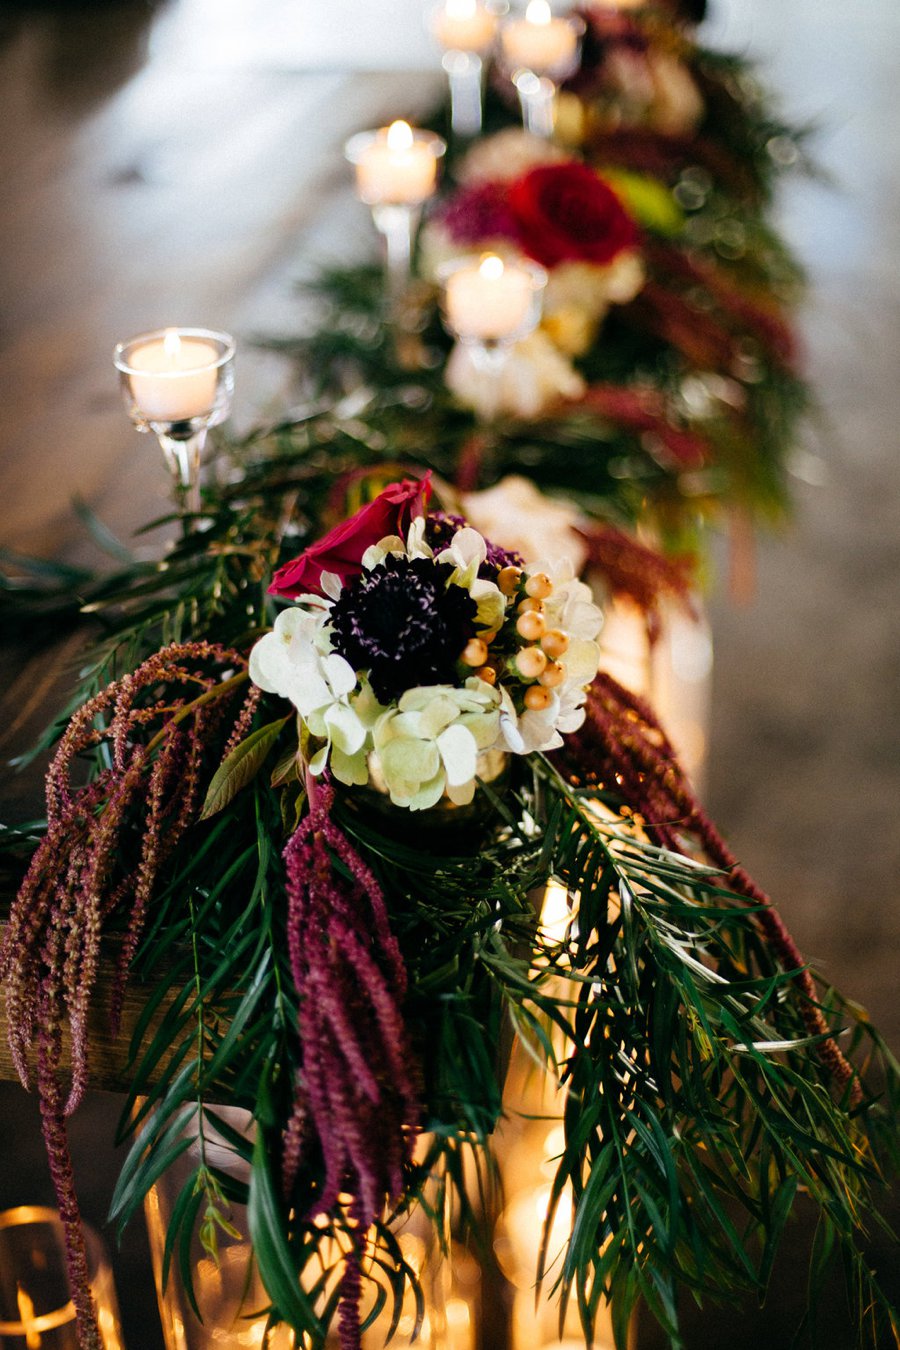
403	624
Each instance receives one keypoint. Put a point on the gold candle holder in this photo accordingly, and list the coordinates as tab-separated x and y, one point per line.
36	1308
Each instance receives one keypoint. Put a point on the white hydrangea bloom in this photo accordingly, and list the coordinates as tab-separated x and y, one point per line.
429	744
294	662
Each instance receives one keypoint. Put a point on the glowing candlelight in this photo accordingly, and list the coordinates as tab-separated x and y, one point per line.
464	26
491	300
540	42
28	1319
396	165
174	378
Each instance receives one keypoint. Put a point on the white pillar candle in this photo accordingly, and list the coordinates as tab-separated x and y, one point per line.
396	166
539	42
464	26
489	300
173	378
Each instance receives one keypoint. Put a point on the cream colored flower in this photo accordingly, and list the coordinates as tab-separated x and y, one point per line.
578	295
534	377
677	102
516	515
508	155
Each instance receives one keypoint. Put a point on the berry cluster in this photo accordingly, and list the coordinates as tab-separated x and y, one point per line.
528	650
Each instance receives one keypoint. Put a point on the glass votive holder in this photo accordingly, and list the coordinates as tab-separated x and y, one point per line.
396	173
491	301
538	50
466	31
177	383
36	1308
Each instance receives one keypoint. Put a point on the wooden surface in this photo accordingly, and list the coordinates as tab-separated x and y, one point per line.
180	163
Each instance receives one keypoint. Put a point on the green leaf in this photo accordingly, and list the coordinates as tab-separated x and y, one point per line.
240	767
268	1231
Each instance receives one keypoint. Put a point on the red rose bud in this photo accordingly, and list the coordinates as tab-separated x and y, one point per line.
341	550
565	213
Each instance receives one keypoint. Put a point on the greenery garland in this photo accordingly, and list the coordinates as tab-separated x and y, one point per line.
704	1091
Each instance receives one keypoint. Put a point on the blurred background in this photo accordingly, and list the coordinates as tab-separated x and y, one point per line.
179	163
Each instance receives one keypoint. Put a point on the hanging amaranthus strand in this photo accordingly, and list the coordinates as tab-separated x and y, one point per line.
622	741
758	311
357	1088
102	852
633	570
644	410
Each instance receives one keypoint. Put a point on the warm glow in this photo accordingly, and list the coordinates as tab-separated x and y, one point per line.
400	136
554	1146
461	9
172	346
27	1318
538	11
457	1312
491	267
556	915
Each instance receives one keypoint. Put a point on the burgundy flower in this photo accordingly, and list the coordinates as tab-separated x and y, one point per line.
478	213
565	213
341	550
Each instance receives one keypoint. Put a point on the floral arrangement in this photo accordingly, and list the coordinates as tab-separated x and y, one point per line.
661	388
426	652
345	643
633	74
351	983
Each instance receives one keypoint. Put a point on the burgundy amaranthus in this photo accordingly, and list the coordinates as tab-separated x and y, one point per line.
621	740
358	1092
102	852
639	573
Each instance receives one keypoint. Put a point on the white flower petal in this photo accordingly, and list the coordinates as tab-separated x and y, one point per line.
409	760
350	769
438	714
318	761
345	729
461	796
330	583
339	674
459	754
429	794
268	663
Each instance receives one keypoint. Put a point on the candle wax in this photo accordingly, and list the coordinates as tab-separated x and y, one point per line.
542	46
396	168
464	27
174	381
486	302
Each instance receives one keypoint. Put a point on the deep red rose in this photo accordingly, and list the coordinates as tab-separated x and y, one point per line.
341	551
565	213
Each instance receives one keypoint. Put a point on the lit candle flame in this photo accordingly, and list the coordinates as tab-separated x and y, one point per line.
491	267
27	1318
399	136
538	11
172	346
461	9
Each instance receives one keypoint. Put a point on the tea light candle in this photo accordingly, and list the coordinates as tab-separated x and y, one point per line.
489	300
173	378
464	26
539	42
395	166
